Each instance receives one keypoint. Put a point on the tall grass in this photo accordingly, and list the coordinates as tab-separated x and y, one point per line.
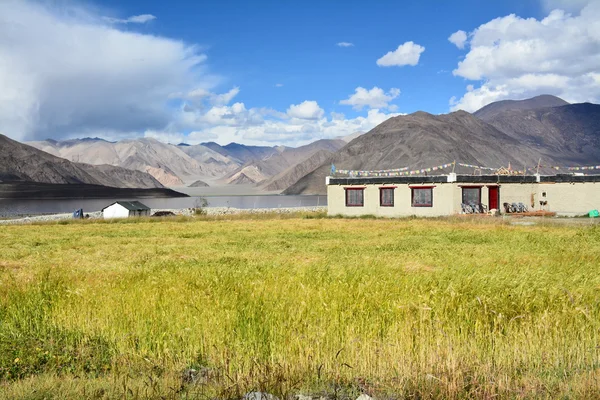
401	308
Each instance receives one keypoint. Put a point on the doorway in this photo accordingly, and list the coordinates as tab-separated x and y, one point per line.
494	197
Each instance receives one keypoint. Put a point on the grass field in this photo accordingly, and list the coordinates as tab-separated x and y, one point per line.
394	308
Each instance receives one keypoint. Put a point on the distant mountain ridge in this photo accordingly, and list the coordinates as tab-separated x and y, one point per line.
569	134
20	162
508	132
544	101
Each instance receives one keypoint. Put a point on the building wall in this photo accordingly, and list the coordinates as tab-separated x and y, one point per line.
115	211
141	213
562	198
443	201
570	198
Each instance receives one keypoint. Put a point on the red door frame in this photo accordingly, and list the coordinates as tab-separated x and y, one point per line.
493	197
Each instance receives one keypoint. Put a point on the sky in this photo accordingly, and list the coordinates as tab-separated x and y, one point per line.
274	72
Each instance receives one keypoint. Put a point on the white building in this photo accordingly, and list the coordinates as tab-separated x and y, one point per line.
441	195
125	209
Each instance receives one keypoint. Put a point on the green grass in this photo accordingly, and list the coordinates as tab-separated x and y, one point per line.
293	304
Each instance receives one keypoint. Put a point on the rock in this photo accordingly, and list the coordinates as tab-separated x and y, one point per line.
259	396
364	397
164	214
191	376
199	184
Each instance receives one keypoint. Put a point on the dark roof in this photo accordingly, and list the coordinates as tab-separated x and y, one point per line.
381	180
130	205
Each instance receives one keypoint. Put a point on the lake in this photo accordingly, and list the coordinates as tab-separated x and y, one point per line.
10	207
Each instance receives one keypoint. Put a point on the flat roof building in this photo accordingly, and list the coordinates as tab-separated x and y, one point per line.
444	195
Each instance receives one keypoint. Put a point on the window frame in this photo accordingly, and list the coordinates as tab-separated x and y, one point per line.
462	193
412	195
381	190
349	189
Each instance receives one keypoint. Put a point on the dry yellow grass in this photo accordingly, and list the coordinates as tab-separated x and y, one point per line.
402	308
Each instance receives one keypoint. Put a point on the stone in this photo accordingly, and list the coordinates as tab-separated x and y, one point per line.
259	396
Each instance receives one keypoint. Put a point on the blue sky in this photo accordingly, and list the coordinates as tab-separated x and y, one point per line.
258	44
274	72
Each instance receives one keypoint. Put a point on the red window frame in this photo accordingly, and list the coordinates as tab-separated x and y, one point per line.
349	189
412	196
381	189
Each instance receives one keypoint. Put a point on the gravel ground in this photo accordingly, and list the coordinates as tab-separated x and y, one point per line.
180	211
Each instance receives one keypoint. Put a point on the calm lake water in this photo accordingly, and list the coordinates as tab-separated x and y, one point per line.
56	206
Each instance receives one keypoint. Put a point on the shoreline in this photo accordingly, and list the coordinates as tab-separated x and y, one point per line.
180	212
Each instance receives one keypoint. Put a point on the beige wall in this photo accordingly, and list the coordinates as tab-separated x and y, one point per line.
570	198
563	198
443	201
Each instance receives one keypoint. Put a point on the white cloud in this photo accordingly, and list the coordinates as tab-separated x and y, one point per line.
68	73
306	110
225	98
345	44
279	85
459	39
374	98
517	58
406	54
135	19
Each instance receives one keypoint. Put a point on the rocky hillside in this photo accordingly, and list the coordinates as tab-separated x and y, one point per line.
171	165
259	171
20	162
423	140
543	101
569	134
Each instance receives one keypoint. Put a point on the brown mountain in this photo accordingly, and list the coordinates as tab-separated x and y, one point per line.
569	134
543	101
20	162
169	164
242	152
293	174
423	140
286	157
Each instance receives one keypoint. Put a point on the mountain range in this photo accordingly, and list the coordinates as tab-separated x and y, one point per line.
544	129
183	164
516	133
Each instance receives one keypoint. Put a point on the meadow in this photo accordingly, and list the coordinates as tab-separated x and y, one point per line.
412	308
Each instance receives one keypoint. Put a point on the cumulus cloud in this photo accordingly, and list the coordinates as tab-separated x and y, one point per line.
67	74
514	57
70	73
459	39
135	19
406	54
306	110
345	44
374	98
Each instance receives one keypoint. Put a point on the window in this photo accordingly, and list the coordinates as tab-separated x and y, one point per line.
471	195
355	197
386	197
422	196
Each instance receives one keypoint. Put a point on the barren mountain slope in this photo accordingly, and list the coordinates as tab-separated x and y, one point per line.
293	174
274	164
423	140
568	134
20	162
543	101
